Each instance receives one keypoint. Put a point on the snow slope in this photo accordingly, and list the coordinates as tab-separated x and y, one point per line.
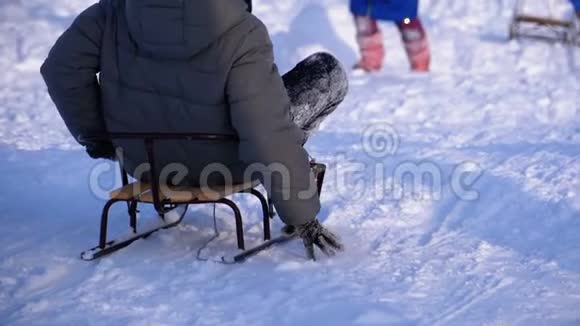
492	238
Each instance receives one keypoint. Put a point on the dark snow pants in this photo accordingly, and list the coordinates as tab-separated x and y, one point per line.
316	86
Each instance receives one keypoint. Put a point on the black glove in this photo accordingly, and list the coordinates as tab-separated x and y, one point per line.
101	149
313	233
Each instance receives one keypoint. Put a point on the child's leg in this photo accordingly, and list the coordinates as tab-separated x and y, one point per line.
370	42
416	44
316	86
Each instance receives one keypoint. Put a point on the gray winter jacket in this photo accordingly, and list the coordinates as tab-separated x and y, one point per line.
182	66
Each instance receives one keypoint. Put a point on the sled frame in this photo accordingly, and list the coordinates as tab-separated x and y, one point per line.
555	30
319	174
164	205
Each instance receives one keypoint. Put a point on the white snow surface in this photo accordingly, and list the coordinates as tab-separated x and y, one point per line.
506	251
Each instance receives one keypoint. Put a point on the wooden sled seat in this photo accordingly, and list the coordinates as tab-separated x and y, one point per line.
141	192
543	21
167	200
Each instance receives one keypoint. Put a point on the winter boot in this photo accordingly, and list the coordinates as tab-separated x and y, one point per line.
416	44
370	42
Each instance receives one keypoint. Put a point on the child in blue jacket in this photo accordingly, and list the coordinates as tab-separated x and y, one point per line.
404	13
576	4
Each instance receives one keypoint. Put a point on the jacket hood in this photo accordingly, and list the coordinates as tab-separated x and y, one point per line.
177	29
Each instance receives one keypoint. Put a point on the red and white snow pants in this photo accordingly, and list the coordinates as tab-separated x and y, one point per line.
370	41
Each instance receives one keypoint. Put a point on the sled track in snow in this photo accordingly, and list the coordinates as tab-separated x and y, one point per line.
466	299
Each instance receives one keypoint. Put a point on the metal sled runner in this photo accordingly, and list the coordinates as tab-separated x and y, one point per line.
171	203
546	27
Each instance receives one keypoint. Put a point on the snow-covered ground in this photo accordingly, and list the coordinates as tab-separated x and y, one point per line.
492	237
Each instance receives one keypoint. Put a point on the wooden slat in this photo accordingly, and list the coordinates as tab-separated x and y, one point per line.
186	194
218	193
132	190
172	194
543	21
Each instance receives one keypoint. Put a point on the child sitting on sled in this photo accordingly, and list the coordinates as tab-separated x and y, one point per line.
203	66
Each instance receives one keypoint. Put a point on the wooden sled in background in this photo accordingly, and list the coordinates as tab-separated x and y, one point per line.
545	28
171	204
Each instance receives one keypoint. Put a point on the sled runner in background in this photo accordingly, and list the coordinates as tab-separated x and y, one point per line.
171	203
548	27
